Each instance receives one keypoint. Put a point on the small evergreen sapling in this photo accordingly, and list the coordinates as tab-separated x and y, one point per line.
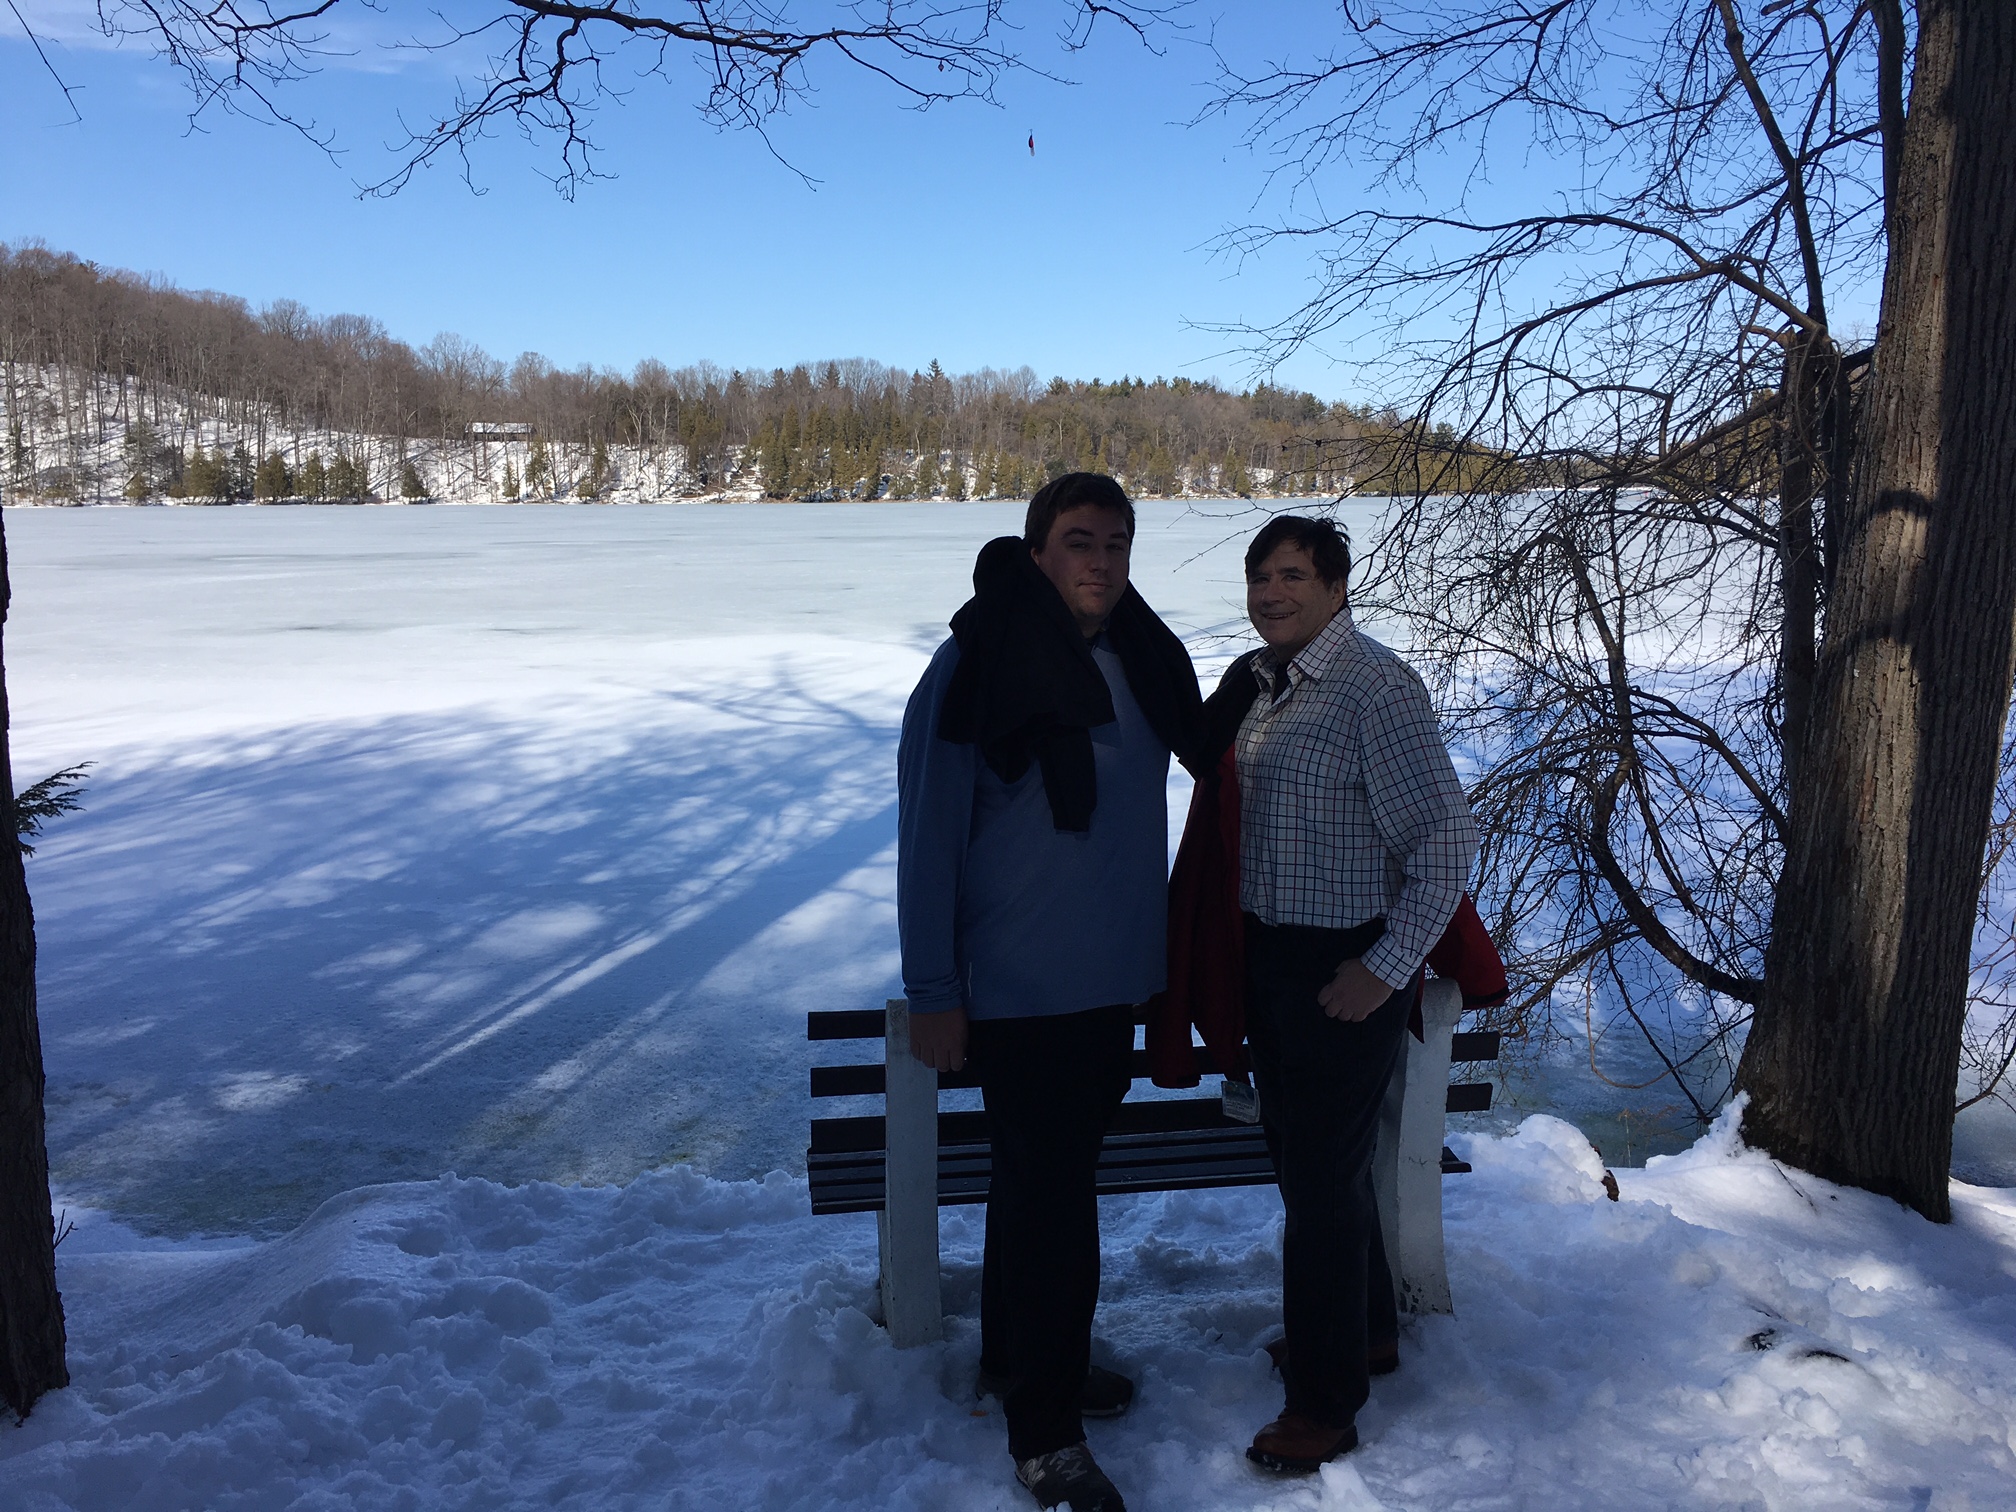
57	794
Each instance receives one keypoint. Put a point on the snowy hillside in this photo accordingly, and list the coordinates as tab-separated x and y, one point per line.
85	438
76	437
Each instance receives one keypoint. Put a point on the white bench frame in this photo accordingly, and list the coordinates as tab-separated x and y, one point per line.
1406	1173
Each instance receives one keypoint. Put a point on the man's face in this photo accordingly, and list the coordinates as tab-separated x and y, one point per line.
1287	602
1086	557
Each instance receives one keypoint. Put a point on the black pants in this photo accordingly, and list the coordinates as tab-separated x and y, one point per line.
1050	1085
1321	1083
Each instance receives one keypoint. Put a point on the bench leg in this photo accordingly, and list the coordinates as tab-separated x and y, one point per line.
908	1222
1407	1167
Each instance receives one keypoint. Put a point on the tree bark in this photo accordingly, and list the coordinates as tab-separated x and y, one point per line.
31	1309
1853	1057
1802	397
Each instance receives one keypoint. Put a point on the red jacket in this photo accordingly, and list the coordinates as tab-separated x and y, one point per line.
1207	954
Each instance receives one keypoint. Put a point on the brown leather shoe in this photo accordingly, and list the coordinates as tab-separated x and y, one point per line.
1293	1445
1380	1359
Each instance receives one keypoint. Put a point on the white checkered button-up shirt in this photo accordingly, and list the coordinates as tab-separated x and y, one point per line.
1349	805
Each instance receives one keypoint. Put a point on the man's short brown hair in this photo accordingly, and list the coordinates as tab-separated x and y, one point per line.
1074	490
1329	548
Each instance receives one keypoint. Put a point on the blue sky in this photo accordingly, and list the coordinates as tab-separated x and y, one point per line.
933	235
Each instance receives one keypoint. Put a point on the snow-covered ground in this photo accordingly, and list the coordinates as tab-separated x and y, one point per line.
1729	1334
515	843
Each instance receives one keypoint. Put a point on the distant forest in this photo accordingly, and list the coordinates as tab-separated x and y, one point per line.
828	429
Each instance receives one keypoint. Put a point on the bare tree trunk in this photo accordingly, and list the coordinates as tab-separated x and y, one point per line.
1853	1058
31	1309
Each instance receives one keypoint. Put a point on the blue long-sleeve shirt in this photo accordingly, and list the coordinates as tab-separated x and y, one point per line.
1000	912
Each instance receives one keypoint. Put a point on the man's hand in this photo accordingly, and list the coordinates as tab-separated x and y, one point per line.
939	1039
1354	994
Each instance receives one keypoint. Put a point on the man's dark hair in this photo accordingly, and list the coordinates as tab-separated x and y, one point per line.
1073	491
1328	546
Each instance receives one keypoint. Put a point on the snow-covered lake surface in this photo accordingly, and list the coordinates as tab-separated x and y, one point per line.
515	843
508	841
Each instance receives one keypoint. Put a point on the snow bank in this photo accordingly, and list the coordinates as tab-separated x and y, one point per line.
1730	1333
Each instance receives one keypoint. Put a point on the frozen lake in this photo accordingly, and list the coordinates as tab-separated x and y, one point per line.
508	841
516	842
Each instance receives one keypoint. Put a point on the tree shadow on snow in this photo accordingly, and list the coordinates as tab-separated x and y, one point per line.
570	946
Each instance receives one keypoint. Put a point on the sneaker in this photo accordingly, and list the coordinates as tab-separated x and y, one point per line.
1105	1394
1295	1445
1070	1477
1380	1359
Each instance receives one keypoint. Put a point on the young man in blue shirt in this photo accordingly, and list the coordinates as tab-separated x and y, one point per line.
1032	879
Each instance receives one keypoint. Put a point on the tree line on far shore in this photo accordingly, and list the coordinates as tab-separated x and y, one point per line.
90	357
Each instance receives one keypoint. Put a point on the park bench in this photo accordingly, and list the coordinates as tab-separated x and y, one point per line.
913	1159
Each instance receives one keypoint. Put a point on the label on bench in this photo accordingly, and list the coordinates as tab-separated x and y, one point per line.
1240	1101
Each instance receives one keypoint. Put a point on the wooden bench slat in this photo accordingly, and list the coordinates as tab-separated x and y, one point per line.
869	1024
1142	1161
1469	1097
838	1135
871	1080
1475	1045
846	1024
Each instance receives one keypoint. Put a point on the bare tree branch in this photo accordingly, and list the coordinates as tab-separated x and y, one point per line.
545	68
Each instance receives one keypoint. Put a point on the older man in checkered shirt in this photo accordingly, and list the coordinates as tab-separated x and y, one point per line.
1355	849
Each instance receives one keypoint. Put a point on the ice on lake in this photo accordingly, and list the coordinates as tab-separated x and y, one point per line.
508	841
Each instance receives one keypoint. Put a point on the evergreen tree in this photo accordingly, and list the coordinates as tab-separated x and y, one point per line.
955	480
539	469
146	460
314	481
238	473
927	472
792	476
347	479
1158	472
773	459
598	471
1233	478
274	480
205	476
510	489
411	485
